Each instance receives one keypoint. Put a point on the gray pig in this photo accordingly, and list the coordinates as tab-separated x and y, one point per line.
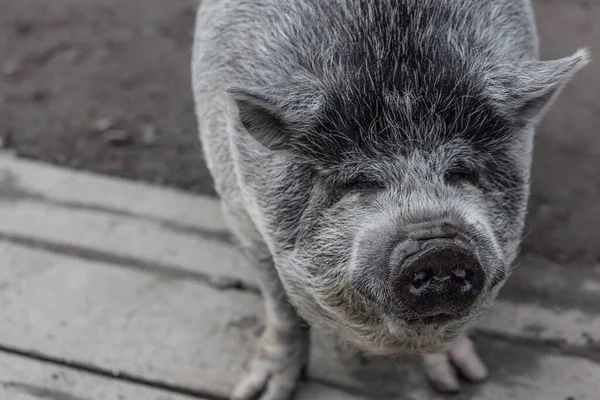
373	161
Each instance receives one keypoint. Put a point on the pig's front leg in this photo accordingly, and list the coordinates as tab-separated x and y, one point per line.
441	368
282	352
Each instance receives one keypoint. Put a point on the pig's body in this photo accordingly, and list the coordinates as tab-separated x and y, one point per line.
342	134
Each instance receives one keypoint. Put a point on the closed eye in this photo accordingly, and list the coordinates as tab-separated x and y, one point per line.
460	175
361	184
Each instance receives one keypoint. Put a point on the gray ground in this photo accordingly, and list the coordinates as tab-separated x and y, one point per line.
142	301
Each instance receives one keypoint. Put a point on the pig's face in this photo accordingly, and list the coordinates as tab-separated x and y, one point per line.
415	195
408	253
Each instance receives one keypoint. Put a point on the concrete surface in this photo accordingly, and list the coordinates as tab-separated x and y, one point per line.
135	291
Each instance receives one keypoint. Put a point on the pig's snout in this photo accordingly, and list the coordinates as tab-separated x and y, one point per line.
438	278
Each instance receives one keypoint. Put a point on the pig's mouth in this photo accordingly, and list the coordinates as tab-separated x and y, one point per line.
441	318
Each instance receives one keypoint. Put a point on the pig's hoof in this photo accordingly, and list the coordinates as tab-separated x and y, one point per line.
274	371
440	371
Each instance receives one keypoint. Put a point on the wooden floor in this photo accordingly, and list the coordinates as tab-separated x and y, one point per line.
115	290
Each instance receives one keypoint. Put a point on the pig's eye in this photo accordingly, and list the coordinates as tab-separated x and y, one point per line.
361	184
462	175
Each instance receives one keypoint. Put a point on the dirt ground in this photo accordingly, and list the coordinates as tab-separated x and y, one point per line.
104	85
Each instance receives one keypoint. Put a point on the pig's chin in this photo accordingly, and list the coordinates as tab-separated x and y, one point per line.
393	335
375	333
395	338
398	336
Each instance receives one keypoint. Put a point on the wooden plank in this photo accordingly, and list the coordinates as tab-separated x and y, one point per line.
25	178
123	236
190	335
26	379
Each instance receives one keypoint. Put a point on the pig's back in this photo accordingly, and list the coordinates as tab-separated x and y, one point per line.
257	42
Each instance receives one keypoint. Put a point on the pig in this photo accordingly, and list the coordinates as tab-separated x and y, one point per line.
372	159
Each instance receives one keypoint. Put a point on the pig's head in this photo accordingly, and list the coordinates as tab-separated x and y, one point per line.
405	191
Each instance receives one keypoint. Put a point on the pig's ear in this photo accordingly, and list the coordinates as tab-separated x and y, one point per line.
277	115
526	91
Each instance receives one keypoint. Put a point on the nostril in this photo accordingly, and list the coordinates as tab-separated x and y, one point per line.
459	273
420	279
463	279
420	276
